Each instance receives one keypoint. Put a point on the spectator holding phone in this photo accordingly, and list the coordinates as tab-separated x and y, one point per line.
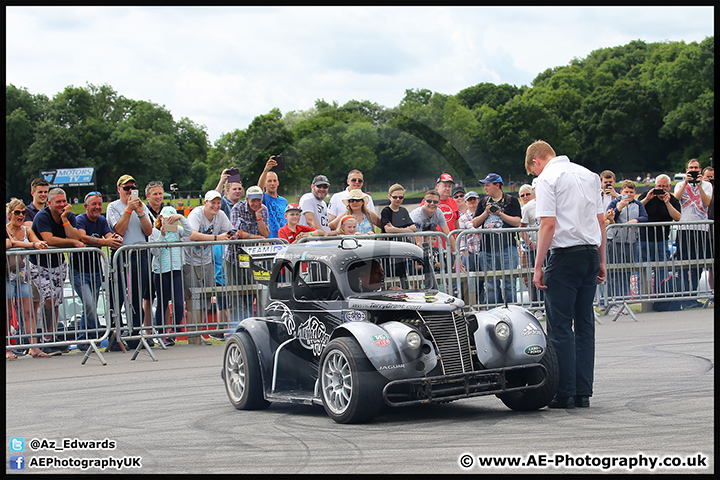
693	240
622	242
607	181
231	182
207	223
661	206
275	203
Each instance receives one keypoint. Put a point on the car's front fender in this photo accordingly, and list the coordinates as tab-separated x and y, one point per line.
386	347
526	342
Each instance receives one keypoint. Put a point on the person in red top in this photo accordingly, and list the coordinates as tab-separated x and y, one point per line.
292	231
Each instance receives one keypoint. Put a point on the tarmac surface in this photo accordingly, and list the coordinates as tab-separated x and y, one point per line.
653	402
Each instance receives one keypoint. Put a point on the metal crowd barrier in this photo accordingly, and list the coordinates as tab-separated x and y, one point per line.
56	298
189	302
212	297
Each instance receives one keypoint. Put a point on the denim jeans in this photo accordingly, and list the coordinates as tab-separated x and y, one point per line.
501	288
87	286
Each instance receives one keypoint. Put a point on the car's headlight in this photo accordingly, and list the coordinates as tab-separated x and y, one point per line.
502	330
413	340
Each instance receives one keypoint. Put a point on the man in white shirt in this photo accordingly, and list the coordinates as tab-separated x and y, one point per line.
355	181
313	206
693	240
128	217
572	230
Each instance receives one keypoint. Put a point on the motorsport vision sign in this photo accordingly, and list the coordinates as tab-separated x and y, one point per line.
70	177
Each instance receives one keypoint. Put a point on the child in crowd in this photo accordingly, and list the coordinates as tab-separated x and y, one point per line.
347	226
292	231
167	263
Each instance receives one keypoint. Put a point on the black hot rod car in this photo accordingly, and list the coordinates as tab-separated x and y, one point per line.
353	323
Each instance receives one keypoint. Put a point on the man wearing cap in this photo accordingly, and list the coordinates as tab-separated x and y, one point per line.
85	268
128	217
313	206
572	230
207	223
355	181
498	210
292	231
275	203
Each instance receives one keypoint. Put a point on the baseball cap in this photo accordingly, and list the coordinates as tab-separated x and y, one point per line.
124	179
253	192
445	177
212	195
471	194
167	211
320	180
458	189
292	206
492	178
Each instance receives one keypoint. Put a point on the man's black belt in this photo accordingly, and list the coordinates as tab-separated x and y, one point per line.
573	249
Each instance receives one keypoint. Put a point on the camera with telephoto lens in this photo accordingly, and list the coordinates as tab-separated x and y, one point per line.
658	191
694	174
495	208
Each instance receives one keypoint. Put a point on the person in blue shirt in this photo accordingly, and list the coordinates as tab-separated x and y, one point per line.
275	204
86	269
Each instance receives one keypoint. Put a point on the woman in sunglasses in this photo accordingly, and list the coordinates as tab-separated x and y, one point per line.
17	286
356	204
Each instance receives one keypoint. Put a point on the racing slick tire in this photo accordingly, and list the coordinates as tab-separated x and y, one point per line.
538	397
241	373
350	386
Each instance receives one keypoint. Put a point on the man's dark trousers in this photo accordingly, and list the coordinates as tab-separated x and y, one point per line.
571	278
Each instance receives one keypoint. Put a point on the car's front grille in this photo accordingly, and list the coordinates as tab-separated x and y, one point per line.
450	334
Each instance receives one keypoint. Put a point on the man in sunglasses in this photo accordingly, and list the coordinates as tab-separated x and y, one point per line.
428	217
355	181
128	217
314	208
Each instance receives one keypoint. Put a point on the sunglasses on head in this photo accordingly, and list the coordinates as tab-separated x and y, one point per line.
431	201
127	188
19	212
92	194
398	197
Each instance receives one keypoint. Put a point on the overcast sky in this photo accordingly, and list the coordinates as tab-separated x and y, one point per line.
223	66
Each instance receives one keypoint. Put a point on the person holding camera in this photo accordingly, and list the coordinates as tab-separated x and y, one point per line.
622	241
498	210
661	206
693	240
128	217
275	204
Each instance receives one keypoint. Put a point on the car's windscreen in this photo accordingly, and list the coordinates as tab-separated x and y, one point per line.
384	273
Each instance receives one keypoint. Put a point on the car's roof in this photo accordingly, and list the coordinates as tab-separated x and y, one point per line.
341	252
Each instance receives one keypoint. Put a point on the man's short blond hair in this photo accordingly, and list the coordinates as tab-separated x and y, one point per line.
538	149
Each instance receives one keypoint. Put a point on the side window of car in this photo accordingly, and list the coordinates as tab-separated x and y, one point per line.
281	286
315	281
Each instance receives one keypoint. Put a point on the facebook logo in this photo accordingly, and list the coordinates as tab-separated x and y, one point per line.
17	462
17	444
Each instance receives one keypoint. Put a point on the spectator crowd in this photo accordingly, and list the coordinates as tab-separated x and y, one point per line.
170	274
